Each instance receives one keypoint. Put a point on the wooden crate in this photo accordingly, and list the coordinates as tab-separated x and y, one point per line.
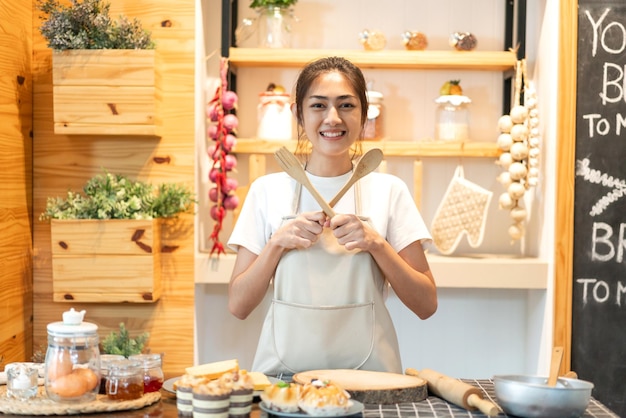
106	92
106	260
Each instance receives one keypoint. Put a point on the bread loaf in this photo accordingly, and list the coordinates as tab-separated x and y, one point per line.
213	370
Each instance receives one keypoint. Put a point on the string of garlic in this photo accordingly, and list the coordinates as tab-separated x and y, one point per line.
519	142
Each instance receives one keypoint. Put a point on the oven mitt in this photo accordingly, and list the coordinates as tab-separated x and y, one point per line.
462	210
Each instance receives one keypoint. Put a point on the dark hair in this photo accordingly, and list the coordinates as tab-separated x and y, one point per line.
311	72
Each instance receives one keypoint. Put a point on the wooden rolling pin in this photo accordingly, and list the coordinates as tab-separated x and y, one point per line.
455	391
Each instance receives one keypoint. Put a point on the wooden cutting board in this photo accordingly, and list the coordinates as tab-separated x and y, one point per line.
371	387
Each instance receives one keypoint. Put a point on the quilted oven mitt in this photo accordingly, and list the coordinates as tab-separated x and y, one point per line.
463	210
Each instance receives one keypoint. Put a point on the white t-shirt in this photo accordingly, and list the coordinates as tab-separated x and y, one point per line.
385	200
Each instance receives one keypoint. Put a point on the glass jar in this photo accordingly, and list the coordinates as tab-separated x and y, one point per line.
274	116
72	371
374	129
105	363
452	118
125	380
275	26
152	371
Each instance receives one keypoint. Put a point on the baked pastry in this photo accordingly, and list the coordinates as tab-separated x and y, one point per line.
282	397
241	394
324	398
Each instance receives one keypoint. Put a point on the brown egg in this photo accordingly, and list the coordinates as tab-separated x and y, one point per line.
69	386
89	376
59	365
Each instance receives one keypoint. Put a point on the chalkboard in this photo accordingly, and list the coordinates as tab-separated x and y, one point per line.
599	252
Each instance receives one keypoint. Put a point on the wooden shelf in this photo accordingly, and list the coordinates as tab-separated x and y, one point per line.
388	59
389	148
479	272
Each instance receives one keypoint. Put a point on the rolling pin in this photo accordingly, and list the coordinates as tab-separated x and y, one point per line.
455	391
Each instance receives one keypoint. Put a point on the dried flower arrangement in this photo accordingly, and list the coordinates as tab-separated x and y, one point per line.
221	130
87	25
114	196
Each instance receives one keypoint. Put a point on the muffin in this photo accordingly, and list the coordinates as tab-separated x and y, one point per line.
242	387
184	394
282	397
211	400
324	398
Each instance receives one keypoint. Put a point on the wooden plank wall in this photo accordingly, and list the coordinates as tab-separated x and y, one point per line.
15	181
62	162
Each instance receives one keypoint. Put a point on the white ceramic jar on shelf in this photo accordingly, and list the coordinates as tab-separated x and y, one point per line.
452	124
274	116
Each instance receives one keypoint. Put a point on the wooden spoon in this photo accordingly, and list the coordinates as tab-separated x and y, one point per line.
368	163
555	365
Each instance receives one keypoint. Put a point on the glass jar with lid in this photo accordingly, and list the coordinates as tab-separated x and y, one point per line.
105	363
151	365
72	365
452	124
125	380
374	129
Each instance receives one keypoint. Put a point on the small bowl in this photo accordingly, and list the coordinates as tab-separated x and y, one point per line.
530	396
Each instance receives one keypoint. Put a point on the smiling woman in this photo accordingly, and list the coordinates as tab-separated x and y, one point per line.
329	270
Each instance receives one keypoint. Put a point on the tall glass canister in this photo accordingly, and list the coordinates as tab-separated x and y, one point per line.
72	372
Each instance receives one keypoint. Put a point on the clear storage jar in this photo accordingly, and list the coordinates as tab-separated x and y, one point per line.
72	371
374	129
151	365
274	116
105	363
452	124
125	380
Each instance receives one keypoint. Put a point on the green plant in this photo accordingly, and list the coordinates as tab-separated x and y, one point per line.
272	3
122	343
114	196
87	25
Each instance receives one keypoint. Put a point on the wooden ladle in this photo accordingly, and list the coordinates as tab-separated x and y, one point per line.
555	365
368	163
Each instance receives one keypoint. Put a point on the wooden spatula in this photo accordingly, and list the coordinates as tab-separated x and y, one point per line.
290	164
555	365
368	163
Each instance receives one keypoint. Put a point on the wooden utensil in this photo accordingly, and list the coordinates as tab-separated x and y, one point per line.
290	164
555	365
371	387
368	163
455	391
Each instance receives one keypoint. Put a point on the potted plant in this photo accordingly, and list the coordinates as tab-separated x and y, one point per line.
106	241
103	70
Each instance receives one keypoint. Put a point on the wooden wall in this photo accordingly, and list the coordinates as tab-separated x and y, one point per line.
16	306
62	162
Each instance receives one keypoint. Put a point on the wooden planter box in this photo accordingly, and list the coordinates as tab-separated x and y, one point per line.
106	92
106	260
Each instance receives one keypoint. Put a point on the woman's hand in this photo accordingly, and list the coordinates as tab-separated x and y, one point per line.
300	232
353	233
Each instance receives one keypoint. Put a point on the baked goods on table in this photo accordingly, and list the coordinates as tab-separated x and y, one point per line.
324	398
282	397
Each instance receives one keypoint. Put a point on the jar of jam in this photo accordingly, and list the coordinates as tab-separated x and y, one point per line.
152	371
374	129
105	363
72	371
125	380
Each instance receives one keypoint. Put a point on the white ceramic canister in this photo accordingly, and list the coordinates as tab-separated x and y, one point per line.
274	116
72	372
452	122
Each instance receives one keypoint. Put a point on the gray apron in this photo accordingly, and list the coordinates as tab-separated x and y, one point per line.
328	311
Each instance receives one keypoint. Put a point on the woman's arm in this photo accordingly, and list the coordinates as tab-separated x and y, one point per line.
252	273
407	271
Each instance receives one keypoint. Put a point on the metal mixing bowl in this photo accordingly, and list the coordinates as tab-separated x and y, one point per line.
530	396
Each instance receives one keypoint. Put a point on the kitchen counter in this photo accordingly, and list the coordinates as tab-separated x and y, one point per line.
430	407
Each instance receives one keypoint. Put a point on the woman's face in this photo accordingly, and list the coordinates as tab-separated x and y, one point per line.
331	114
